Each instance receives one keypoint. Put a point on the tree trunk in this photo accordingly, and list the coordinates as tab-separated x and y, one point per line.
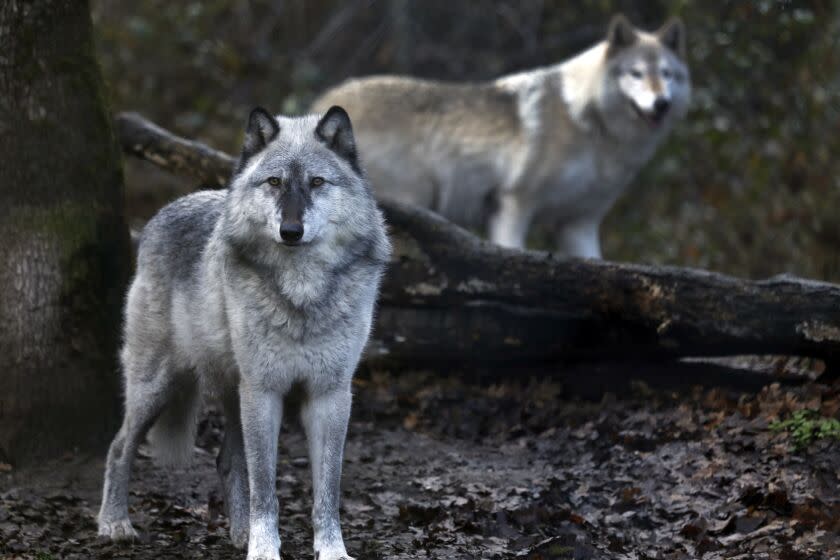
64	247
451	297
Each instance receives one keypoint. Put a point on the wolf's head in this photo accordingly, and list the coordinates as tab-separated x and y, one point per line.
297	183
646	79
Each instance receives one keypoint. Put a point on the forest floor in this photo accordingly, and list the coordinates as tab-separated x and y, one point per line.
439	468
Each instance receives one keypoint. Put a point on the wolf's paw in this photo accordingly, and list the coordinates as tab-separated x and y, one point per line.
119	530
332	554
264	556
263	553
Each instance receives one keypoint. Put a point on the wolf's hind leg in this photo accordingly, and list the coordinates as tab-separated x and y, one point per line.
325	419
233	471
144	401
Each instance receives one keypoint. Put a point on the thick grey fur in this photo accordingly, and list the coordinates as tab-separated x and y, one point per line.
557	145
221	305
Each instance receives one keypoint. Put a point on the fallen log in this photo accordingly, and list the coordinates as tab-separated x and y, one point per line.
450	296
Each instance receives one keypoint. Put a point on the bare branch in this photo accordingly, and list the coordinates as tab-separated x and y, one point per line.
144	139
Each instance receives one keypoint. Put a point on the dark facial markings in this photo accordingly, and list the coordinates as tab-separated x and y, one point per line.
652	62
295	196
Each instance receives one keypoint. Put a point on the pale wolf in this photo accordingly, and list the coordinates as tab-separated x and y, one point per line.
559	144
244	294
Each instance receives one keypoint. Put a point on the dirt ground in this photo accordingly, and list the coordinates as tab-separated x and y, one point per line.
449	469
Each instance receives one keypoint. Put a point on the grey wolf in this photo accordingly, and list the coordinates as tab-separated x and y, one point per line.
558	144
243	295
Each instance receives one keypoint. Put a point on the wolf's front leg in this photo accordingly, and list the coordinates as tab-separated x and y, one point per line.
261	412
579	239
325	420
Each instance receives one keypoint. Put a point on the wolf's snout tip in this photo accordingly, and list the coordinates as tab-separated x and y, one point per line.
291	232
661	106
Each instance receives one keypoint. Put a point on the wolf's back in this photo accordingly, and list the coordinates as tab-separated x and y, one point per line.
174	239
439	145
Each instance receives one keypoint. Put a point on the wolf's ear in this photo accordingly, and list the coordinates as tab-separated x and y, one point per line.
334	130
621	34
262	129
672	35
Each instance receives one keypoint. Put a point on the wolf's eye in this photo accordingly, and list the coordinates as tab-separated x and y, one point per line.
274	181
316	181
636	74
666	73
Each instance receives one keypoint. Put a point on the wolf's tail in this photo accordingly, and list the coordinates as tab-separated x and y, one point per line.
172	437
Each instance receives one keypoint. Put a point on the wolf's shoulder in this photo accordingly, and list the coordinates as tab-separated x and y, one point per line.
178	233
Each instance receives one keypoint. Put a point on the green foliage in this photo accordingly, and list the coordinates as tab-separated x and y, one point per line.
747	183
805	426
560	551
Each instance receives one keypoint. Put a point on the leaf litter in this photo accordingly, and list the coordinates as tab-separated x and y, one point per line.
443	468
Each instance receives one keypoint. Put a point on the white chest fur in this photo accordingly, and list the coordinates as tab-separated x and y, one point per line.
587	178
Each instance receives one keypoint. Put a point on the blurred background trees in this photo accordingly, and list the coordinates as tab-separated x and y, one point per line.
747	185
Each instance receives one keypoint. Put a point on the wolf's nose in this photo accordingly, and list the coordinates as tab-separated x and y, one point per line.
291	232
661	106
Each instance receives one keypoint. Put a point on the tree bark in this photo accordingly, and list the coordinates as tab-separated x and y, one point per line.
449	296
64	247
